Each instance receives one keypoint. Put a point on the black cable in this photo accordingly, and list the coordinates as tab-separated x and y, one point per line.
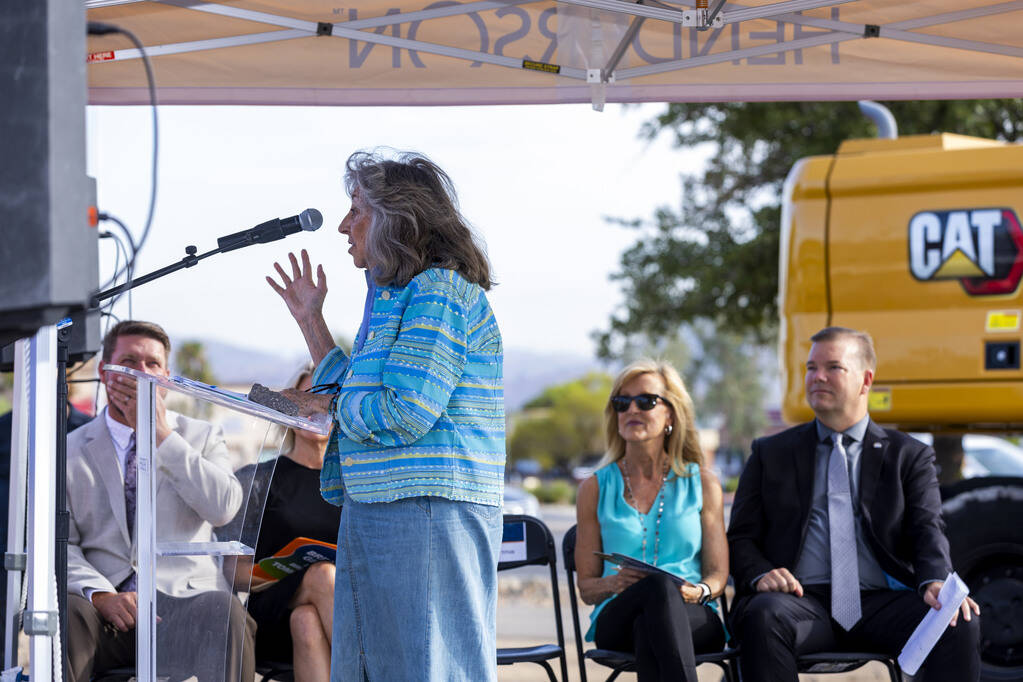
106	328
117	254
100	28
95	400
127	267
132	249
78	366
129	264
128	258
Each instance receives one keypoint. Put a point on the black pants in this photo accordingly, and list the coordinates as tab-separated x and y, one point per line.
774	628
651	619
186	637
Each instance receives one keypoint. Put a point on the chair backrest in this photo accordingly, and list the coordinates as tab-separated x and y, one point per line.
527	542
568	556
568	549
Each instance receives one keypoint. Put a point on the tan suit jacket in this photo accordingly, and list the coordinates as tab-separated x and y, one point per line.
195	491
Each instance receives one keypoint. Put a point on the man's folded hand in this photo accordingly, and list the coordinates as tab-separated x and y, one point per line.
779	580
117	608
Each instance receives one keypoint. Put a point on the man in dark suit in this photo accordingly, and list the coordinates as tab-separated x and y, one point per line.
836	536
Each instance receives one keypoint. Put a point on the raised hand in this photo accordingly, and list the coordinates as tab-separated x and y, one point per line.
303	297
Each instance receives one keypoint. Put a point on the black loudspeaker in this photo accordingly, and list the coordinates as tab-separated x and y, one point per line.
83	343
49	262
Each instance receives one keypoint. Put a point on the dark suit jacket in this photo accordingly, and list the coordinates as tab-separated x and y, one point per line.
899	501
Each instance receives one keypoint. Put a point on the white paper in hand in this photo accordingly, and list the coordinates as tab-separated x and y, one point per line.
933	624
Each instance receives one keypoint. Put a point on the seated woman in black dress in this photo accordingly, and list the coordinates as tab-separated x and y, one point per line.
295	614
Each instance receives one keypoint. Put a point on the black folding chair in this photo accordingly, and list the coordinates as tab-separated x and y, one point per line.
837	662
622	661
538	550
275	670
826	662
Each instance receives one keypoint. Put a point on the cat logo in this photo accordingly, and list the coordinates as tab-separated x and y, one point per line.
981	247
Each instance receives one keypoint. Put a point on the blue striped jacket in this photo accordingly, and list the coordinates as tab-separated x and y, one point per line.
421	404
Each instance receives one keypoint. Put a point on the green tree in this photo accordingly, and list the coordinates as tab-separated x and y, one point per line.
730	372
6	391
344	343
563	423
715	259
716	256
191	361
723	373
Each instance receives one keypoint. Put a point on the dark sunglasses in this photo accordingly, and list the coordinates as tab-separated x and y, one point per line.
644	401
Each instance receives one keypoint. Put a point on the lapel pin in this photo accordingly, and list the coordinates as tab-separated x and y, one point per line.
877	445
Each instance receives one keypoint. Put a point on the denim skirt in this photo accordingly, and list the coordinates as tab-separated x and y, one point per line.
415	595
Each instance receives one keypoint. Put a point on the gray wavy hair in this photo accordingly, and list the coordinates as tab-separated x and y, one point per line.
415	222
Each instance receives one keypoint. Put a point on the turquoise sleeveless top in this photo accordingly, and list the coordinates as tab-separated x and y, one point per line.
621	526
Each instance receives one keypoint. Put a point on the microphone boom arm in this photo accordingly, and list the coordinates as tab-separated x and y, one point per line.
188	261
270	231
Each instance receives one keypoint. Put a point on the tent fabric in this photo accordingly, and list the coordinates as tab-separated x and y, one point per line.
402	52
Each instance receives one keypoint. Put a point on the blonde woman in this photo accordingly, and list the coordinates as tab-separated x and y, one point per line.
654	501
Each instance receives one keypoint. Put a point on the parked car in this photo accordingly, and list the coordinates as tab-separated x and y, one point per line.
991	456
586	467
519	501
986	455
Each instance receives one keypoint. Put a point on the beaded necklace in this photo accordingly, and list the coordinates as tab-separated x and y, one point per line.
660	508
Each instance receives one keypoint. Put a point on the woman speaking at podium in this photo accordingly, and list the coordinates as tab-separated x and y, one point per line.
416	454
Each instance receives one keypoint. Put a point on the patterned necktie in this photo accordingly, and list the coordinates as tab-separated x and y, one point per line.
130	584
845	572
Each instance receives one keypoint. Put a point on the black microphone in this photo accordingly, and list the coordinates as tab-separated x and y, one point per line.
272	230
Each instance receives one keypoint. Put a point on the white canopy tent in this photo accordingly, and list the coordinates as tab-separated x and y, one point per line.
401	52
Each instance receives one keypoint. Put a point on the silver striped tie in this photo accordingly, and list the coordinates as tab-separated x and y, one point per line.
845	572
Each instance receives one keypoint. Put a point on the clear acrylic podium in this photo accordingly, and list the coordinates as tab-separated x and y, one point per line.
211	570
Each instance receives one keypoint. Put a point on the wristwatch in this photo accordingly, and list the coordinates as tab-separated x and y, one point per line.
705	592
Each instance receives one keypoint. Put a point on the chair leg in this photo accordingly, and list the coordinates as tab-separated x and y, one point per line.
733	670
894	672
550	671
726	670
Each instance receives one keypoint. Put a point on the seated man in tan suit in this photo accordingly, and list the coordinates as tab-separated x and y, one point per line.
195	490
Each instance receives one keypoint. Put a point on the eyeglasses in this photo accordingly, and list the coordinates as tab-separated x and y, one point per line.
644	401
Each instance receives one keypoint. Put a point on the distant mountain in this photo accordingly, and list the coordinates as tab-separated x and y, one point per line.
236	366
526	372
